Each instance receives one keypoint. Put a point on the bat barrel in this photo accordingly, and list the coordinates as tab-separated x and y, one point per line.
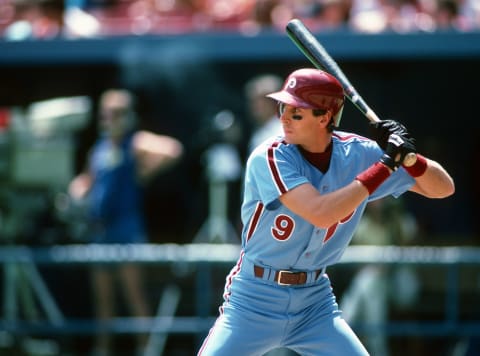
321	59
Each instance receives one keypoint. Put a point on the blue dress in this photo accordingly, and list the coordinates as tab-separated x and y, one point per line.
115	198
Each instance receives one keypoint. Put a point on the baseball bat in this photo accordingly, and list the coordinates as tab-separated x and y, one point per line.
321	59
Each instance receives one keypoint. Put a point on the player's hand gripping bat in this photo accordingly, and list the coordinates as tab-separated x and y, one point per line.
318	55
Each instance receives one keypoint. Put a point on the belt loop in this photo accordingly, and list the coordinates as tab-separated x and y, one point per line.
269	276
264	273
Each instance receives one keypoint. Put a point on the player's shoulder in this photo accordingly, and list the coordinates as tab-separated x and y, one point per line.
271	143
272	148
349	137
352	144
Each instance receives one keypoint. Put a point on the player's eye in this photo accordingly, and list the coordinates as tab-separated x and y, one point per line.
282	107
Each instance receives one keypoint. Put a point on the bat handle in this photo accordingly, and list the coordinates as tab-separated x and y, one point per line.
410	159
370	114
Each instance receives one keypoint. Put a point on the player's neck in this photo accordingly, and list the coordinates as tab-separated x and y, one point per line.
321	160
319	144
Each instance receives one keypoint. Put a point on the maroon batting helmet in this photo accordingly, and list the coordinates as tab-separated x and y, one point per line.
310	88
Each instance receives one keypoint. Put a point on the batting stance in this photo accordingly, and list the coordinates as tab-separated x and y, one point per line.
305	192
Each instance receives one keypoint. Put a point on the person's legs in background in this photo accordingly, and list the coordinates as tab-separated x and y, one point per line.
133	287
104	304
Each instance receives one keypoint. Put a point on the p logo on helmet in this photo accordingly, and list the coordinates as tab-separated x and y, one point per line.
292	83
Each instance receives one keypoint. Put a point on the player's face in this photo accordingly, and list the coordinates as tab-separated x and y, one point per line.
300	126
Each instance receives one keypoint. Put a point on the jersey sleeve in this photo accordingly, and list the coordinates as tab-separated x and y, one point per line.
273	172
397	184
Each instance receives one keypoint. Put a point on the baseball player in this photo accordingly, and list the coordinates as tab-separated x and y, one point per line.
305	192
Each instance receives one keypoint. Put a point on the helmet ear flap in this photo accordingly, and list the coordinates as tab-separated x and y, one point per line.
336	119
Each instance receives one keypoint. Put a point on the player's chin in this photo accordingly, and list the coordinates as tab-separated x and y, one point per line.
289	138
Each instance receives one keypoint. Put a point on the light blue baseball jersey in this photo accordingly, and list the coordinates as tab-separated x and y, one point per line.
276	237
258	313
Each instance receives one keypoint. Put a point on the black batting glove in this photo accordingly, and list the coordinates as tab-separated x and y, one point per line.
381	131
396	149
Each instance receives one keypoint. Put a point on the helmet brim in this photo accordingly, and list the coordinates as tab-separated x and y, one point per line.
289	99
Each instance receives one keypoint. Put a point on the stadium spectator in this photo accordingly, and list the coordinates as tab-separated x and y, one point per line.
34	19
267	15
122	159
447	16
89	18
324	15
262	110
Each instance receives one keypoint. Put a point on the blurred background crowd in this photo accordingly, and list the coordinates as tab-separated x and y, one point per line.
45	19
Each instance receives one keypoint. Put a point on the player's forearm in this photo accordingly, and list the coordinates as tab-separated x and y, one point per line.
435	182
324	210
333	207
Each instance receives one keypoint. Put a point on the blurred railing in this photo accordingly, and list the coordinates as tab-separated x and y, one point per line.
206	258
